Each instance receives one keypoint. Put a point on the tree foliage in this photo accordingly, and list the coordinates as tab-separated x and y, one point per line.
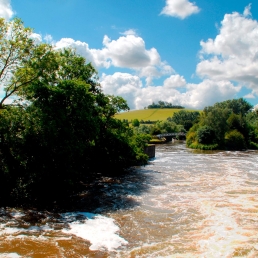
22	60
205	135
135	122
185	118
63	131
229	124
163	104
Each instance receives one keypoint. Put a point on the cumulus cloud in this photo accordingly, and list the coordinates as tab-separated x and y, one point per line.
196	96
179	8
6	10
123	84
82	48
209	92
233	54
127	51
175	81
130	87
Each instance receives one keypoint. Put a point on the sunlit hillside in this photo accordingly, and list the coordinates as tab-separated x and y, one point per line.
148	114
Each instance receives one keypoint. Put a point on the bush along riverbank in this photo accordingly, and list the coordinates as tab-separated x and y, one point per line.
230	125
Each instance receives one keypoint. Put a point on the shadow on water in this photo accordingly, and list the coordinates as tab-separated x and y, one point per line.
102	194
108	194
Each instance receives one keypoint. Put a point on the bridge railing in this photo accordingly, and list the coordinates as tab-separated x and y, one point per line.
170	134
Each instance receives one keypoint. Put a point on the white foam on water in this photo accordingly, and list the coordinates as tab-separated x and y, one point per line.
6	230
17	214
99	230
9	255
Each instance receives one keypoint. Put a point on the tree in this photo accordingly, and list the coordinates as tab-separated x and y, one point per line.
63	131
64	135
163	104
235	140
223	124
135	122
22	61
165	127
143	129
185	118
205	135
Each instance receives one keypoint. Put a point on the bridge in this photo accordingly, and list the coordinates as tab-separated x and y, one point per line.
170	136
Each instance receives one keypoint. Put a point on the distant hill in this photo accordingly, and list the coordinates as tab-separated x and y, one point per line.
149	114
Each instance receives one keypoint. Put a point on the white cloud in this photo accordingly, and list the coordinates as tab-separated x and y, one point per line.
233	54
249	96
126	52
123	84
6	9
247	11
82	48
175	81
180	8
209	92
197	95
36	37
129	51
129	32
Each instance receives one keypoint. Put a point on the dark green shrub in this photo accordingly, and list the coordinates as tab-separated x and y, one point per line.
234	140
205	135
135	122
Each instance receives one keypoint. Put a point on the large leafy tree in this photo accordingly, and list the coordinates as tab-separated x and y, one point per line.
22	60
63	131
67	134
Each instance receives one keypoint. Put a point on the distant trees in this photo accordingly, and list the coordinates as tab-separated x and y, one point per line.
159	128
164	104
228	124
185	118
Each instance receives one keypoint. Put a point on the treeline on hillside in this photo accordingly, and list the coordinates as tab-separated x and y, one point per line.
61	129
229	125
163	104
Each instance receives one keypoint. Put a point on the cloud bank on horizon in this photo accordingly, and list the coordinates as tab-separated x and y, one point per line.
227	63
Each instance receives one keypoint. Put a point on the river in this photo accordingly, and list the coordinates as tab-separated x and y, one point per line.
184	203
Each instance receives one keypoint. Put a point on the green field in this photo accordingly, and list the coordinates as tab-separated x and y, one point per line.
149	114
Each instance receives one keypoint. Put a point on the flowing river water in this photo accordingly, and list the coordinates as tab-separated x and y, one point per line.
184	203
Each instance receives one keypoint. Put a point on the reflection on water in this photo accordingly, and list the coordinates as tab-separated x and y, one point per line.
185	203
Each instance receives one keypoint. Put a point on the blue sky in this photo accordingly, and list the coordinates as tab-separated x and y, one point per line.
188	53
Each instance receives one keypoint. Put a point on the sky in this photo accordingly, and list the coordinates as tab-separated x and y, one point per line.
187	53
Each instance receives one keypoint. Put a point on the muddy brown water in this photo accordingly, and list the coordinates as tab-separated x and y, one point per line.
184	203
